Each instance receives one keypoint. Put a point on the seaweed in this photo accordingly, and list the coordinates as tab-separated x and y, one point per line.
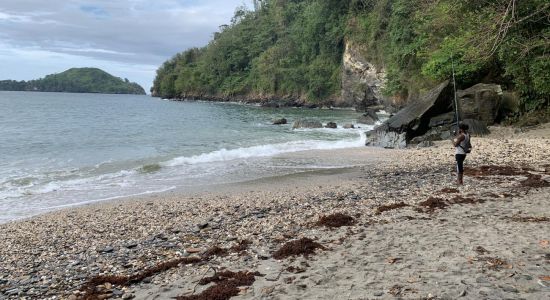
303	246
496	171
241	246
383	208
214	251
227	285
534	181
449	191
433	203
336	220
463	200
90	287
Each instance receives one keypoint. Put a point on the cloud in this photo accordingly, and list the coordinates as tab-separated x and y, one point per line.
123	33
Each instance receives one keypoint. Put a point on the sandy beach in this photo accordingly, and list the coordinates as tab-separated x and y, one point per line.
411	232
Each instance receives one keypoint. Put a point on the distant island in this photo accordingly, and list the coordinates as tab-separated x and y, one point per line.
76	80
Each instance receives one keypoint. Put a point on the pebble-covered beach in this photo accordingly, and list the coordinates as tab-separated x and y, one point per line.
413	233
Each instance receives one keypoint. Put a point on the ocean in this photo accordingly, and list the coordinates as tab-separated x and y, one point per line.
59	150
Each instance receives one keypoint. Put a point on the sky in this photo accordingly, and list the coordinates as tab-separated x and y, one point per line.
127	38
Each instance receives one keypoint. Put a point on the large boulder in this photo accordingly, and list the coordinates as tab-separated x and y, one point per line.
480	102
413	120
381	136
307	124
443	119
362	82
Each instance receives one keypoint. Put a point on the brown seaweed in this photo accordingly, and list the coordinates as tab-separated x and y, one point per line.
336	220
303	246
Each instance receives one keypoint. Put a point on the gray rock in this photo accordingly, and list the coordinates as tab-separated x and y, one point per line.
131	245
443	119
366	119
349	126
107	249
13	292
382	137
480	102
202	225
411	121
117	292
331	125
281	121
378	294
307	124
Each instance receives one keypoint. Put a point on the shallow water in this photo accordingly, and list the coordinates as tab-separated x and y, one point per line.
59	150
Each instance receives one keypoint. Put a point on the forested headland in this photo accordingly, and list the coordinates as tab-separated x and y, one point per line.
76	80
294	49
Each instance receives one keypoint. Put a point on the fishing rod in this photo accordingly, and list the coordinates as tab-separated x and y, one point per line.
454	87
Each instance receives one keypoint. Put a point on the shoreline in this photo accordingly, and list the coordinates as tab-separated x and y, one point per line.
409	252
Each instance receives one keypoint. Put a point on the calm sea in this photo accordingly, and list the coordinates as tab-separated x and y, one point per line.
59	150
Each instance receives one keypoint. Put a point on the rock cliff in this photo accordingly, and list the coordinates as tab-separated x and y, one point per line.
362	82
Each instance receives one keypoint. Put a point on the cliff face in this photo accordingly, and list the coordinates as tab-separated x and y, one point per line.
362	82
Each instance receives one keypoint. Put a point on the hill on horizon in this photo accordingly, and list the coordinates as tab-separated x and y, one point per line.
76	80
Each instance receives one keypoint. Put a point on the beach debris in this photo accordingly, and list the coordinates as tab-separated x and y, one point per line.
480	250
91	287
241	246
449	191
303	246
384	208
495	263
491	170
295	270
227	284
396	290
214	251
534	181
526	219
393	260
544	243
432	203
465	200
336	220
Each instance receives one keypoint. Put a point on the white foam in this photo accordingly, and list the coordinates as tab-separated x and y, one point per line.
266	150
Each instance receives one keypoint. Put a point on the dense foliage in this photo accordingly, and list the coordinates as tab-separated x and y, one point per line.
76	80
294	48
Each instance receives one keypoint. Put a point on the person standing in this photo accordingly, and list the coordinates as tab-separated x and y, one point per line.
462	146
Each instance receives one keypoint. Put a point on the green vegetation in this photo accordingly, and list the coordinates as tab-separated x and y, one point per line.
76	80
293	48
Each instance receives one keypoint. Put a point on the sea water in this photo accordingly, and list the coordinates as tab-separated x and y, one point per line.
59	150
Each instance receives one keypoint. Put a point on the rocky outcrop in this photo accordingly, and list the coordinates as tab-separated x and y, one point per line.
331	125
362	82
383	137
413	120
480	102
369	117
281	121
307	124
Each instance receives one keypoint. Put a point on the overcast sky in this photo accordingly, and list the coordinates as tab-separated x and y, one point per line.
127	38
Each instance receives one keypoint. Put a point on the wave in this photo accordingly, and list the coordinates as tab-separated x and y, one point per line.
266	151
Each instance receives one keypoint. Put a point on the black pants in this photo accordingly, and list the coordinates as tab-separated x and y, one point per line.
460	162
